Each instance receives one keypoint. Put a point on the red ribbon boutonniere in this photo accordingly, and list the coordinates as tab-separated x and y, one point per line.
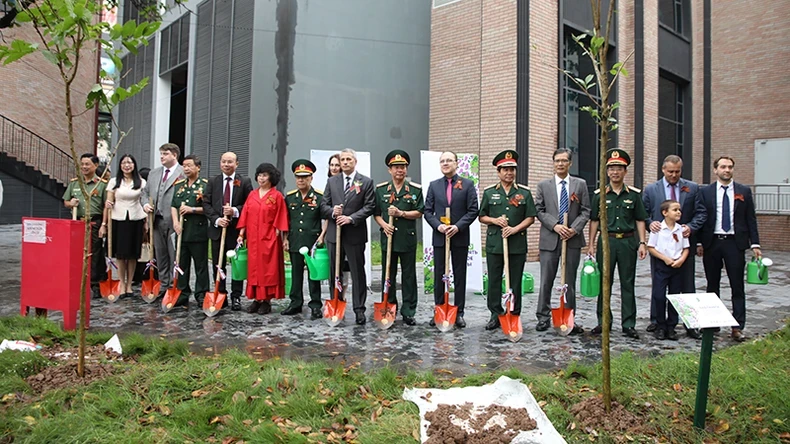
675	236
309	200
199	196
685	189
270	200
739	197
407	197
457	185
574	197
236	183
392	197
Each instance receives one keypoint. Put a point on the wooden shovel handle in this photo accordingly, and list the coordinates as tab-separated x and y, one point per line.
73	213
181	236
506	253
389	252
337	250
447	245
564	250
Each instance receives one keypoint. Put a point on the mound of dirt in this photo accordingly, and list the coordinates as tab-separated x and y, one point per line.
63	372
591	414
470	425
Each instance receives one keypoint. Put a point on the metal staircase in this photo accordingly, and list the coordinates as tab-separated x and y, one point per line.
20	144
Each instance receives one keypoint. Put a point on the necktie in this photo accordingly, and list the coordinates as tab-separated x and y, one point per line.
449	190
164	178
564	202
226	194
672	194
725	211
162	189
348	187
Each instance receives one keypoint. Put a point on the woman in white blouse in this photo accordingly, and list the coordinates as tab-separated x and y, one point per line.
129	222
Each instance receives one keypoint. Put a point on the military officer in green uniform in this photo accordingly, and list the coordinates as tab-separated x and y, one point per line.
305	231
403	201
188	201
508	209
626	225
73	198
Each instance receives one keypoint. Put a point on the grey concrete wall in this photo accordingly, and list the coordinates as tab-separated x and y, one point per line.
340	73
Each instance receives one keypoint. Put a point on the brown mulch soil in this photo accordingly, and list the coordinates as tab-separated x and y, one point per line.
63	374
591	415
489	425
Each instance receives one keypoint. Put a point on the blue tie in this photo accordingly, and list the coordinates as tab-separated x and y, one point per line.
564	203
725	211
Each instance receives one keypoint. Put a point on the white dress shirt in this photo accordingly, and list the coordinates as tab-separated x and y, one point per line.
668	242
731	196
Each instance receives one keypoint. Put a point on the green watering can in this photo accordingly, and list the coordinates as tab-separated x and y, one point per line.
590	279
238	263
287	278
757	270
317	264
527	284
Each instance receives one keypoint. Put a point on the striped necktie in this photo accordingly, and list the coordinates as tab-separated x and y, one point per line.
564	202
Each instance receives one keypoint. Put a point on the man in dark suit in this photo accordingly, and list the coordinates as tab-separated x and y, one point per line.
222	205
693	216
158	195
460	196
554	197
729	231
349	199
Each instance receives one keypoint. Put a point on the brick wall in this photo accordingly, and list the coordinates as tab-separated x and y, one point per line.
773	231
697	85
33	95
750	86
650	158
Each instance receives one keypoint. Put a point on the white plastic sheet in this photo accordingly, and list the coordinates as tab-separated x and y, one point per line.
18	345
114	344
505	391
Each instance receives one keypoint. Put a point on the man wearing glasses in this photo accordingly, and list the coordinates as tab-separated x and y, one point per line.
554	198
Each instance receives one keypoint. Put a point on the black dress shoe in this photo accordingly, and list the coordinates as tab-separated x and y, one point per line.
265	308
432	322
694	333
459	322
235	303
291	310
315	313
672	335
597	330
493	324
361	319
253	308
577	330
660	334
631	332
409	320
543	325
652	327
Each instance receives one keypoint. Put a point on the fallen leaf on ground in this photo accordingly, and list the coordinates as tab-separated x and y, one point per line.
199	393
784	436
677	387
239	396
224	419
164	410
722	427
778	421
30	420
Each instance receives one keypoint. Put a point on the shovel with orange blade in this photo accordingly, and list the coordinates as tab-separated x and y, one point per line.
110	289
444	315
511	323
213	302
384	312
562	317
173	293
335	308
150	287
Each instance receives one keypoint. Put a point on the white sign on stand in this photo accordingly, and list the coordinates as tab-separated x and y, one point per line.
34	231
321	160
702	310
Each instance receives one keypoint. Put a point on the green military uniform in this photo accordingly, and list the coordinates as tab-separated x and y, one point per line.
516	205
194	239
97	188
404	240
305	227
623	211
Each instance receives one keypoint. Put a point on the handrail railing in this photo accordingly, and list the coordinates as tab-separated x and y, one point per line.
772	198
32	149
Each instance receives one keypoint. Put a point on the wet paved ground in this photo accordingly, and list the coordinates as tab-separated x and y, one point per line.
418	347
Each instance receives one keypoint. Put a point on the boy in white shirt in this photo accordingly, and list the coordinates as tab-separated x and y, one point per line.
670	249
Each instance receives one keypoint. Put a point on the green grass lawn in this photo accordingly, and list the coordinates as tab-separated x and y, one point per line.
164	394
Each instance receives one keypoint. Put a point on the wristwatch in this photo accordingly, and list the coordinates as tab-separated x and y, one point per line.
642	243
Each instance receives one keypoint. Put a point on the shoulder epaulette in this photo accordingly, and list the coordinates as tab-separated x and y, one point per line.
292	192
318	191
382	184
635	189
597	191
204	180
523	186
73	179
490	186
104	180
179	181
415	184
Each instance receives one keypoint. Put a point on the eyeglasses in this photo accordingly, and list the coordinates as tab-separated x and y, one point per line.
127	162
562	161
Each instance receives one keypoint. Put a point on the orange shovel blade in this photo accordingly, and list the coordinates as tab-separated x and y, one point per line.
110	289
334	311
562	319
511	326
213	302
170	299
384	314
444	316
150	288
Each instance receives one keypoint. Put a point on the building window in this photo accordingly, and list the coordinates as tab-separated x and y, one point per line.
671	14
581	133
671	112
